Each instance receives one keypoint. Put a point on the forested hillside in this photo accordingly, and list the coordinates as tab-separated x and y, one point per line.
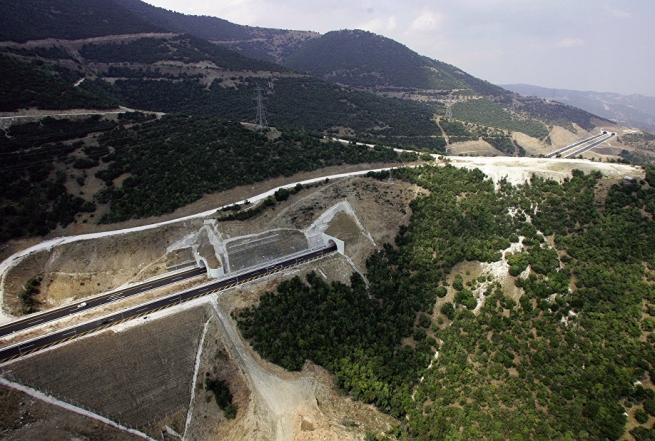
562	361
45	86
261	43
162	74
148	167
363	59
187	73
184	48
68	19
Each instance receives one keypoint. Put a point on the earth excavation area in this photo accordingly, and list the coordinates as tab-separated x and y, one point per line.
148	375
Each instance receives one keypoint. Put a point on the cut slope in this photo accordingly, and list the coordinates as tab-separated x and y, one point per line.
135	376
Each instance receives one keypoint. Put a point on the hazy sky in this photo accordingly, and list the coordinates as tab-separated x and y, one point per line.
600	45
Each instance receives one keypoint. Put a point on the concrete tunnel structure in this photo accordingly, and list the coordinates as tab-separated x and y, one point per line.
219	271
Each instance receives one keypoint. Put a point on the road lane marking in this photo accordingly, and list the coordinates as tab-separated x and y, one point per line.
177	300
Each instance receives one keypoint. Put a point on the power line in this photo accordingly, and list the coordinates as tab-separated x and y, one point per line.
449	106
260	120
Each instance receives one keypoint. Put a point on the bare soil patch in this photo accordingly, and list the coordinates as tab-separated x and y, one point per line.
344	227
479	148
532	146
81	269
138	376
207	420
25	418
520	170
379	207
251	251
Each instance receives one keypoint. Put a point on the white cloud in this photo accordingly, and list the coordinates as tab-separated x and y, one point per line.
570	42
379	25
427	21
619	13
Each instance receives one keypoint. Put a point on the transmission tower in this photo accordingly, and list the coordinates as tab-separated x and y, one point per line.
449	106
262	124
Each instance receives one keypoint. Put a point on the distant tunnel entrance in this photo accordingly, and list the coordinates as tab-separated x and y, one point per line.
330	241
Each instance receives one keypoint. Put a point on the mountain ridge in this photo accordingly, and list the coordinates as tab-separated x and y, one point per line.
354	59
634	110
41	19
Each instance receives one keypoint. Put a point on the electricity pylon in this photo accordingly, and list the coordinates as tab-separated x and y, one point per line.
262	124
449	106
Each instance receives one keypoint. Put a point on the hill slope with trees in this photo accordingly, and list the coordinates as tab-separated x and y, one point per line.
352	59
144	166
631	110
25	20
261	43
363	59
565	359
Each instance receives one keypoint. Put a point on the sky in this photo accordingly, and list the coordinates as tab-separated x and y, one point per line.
599	45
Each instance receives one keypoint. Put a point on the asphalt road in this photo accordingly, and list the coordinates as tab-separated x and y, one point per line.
74	308
572	146
47	341
589	147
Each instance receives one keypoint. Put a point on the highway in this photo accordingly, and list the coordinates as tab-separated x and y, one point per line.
572	146
55	338
74	308
590	146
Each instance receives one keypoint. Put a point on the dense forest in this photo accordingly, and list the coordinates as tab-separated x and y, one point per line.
303	102
354	58
167	169
183	48
45	86
366	60
74	19
562	361
163	164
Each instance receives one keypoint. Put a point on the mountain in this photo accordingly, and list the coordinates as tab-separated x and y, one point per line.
25	20
263	43
366	60
170	71
350	57
631	110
